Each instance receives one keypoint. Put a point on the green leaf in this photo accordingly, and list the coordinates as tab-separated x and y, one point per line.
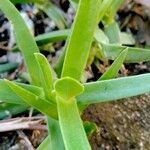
56	141
71	125
8	95
100	36
90	127
54	36
59	64
110	90
113	33
45	74
33	89
115	67
127	38
12	97
74	3
78	48
45	145
24	38
54	13
27	1
9	110
111	12
105	5
46	38
33	100
8	67
68	88
134	55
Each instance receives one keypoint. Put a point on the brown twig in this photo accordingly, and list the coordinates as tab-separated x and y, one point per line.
26	140
29	123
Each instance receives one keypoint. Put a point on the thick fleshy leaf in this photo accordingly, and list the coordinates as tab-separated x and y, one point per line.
54	36
74	3
46	38
24	38
90	127
78	48
27	1
134	55
68	88
56	141
100	36
105	5
113	32
111	12
9	110
40	104
45	145
71	125
110	90
8	67
8	95
45	74
115	67
54	13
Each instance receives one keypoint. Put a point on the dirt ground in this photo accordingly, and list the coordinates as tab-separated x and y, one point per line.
121	125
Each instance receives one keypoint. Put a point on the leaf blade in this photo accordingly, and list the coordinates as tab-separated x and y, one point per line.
104	91
71	126
45	74
134	54
78	48
22	36
33	100
114	68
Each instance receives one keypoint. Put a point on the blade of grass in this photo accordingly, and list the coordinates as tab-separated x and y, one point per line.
78	48
114	68
114	89
22	36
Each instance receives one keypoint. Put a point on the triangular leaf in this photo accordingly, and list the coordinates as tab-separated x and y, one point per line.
114	68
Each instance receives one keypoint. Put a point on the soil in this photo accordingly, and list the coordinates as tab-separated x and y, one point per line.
121	125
